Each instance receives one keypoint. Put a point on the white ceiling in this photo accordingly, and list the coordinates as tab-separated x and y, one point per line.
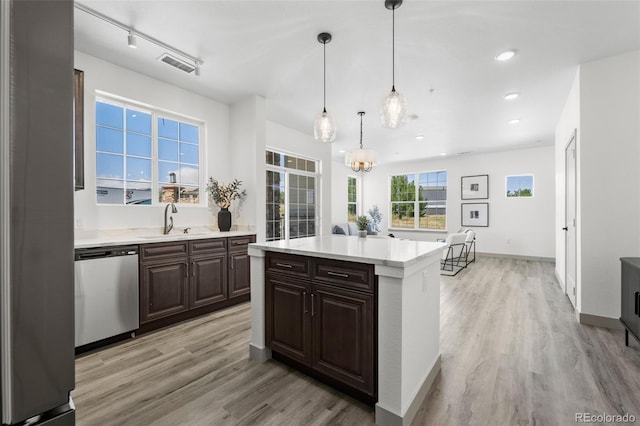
269	48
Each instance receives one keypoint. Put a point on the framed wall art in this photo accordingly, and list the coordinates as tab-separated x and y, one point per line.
475	187
475	214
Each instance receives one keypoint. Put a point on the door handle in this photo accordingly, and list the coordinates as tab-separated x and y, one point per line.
313	311
304	302
565	228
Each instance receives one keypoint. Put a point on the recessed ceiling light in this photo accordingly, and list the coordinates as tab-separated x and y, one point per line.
396	153
412	117
443	154
419	137
342	151
505	56
511	96
514	121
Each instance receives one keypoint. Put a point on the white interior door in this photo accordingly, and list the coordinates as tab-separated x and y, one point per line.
570	220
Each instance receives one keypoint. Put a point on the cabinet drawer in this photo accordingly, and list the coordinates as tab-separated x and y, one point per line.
296	265
163	250
347	274
241	243
208	246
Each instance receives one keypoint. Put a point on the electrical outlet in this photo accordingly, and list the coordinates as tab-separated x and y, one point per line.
79	222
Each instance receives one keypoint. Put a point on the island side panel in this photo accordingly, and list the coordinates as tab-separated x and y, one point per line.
408	338
257	349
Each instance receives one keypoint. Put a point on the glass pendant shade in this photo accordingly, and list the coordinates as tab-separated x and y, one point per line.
394	110
362	160
324	128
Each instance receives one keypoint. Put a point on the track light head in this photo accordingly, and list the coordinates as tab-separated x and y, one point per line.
132	40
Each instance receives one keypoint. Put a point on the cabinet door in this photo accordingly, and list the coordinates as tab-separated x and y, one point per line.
630	297
288	328
208	280
163	289
343	330
239	274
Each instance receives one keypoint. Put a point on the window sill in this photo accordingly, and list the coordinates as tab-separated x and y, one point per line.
430	231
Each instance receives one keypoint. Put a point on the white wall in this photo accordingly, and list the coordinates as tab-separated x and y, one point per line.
248	135
569	121
104	76
609	177
292	141
517	226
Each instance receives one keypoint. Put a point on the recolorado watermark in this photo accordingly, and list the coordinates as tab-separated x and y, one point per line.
604	418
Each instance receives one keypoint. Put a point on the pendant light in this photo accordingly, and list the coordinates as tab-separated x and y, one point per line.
394	107
362	160
324	128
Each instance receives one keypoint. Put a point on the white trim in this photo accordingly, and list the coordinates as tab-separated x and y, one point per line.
5	207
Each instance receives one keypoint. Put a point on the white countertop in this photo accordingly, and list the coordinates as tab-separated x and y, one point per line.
381	251
116	237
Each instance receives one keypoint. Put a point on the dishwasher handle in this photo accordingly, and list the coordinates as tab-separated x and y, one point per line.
103	252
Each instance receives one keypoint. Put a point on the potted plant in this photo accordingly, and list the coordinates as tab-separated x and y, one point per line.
376	219
362	222
222	195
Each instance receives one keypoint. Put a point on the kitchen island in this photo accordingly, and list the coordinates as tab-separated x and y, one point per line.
386	289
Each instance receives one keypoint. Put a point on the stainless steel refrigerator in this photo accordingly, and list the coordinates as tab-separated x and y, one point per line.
36	212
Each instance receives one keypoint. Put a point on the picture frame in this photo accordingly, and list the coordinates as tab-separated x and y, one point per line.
78	129
475	214
474	187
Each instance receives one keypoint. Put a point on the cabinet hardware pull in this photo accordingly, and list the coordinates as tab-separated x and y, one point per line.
233	263
304	302
193	269
635	309
313	311
186	270
337	274
239	243
284	265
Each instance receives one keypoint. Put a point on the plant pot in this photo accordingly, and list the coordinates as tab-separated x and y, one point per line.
362	234
224	219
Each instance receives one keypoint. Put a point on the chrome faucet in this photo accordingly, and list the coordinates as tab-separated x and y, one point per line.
168	228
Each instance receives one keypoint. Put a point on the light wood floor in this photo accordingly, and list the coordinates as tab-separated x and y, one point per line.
512	353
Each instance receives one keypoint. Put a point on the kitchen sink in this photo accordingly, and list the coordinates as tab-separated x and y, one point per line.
176	235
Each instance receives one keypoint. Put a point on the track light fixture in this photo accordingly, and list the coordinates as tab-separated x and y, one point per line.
133	42
132	38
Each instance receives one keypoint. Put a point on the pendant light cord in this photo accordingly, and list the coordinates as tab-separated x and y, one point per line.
324	75
361	114
393	49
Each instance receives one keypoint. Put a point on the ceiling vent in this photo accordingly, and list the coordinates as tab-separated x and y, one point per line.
177	63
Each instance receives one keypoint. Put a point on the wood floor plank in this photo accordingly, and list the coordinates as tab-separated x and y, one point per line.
512	353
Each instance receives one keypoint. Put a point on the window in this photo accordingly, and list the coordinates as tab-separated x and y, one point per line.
519	186
352	198
419	200
292	184
133	156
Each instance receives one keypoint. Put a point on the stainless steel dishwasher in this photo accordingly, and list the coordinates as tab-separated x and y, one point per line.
106	292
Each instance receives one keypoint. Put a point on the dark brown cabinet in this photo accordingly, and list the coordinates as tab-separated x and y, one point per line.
208	280
239	266
183	279
321	314
630	309
164	289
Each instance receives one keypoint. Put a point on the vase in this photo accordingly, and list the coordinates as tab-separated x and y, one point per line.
224	219
362	233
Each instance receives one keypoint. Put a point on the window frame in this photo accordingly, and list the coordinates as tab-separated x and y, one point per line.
358	202
155	113
533	186
287	172
416	202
